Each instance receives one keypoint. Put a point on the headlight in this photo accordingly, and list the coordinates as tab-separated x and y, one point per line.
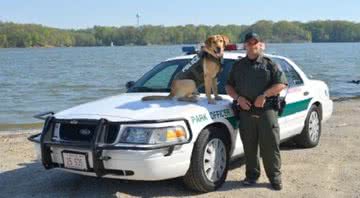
154	135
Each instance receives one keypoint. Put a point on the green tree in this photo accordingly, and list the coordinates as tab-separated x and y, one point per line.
3	40
32	35
284	31
263	28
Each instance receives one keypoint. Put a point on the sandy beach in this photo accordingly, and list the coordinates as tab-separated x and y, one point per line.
332	169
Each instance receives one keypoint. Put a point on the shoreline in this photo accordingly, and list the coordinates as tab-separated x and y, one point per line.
342	99
20	128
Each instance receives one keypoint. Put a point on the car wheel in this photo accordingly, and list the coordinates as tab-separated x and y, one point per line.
310	135
209	161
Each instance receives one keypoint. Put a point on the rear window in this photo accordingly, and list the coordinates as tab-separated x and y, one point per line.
291	74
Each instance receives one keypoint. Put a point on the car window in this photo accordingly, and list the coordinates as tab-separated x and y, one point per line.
159	78
292	75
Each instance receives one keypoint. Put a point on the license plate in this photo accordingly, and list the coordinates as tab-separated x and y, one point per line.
75	161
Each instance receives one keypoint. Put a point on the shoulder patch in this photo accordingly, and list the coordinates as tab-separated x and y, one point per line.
268	59
271	63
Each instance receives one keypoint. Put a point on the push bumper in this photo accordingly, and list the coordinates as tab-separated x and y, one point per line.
106	161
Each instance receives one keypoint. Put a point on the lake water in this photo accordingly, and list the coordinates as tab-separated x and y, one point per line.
36	80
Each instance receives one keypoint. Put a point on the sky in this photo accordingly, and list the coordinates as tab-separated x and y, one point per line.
78	14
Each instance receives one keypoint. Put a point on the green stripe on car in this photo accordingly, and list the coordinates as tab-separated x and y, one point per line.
291	108
296	107
233	121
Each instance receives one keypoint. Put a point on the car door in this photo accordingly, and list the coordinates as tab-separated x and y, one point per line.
297	101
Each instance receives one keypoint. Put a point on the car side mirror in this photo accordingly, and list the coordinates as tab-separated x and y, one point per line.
129	84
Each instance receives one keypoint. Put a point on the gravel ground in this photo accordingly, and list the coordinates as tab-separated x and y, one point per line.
332	169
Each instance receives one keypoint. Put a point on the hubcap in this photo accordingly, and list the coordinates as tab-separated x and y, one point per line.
314	126
214	159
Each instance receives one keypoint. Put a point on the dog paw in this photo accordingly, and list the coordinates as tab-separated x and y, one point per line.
211	101
218	98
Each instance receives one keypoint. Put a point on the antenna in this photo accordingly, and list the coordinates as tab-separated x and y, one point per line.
138	19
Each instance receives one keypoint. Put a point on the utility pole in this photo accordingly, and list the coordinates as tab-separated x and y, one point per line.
138	19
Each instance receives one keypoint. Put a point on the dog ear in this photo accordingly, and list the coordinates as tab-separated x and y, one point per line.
226	40
208	41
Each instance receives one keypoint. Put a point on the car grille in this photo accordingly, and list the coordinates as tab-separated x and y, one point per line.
84	132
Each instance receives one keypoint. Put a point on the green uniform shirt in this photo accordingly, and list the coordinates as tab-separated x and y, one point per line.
250	78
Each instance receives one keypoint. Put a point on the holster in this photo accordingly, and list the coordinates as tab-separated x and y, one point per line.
276	103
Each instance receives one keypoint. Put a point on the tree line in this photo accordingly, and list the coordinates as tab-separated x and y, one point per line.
33	35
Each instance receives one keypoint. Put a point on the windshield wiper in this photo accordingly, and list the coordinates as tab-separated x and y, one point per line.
148	89
141	89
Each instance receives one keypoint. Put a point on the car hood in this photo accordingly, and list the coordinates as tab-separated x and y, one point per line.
129	107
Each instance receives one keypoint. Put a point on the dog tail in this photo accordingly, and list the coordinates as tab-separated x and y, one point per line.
147	98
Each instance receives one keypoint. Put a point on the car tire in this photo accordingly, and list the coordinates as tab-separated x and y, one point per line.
209	161
311	132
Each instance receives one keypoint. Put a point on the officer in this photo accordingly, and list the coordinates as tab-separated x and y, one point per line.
254	81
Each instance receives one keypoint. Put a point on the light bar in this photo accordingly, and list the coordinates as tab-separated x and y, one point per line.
231	47
189	49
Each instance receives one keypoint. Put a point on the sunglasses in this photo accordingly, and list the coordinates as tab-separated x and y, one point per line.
252	42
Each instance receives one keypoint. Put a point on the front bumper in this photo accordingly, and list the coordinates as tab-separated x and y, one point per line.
114	162
327	109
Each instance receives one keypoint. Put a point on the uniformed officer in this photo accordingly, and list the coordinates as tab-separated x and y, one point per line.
253	82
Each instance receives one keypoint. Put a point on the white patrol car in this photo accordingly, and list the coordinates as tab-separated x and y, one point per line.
126	138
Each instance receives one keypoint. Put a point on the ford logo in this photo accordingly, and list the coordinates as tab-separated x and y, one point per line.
73	122
84	131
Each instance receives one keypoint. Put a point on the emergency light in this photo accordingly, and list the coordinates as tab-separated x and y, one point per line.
231	47
189	49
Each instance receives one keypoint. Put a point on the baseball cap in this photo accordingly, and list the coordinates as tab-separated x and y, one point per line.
252	35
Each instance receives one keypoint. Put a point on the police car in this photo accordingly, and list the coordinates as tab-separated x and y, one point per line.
126	138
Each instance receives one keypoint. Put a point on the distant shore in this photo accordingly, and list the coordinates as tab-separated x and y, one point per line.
169	44
27	35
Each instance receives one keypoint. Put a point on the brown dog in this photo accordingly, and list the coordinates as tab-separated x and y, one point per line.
187	81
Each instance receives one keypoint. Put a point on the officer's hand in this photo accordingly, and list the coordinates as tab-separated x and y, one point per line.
244	104
260	101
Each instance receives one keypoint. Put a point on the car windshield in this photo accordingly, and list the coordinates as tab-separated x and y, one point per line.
159	78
